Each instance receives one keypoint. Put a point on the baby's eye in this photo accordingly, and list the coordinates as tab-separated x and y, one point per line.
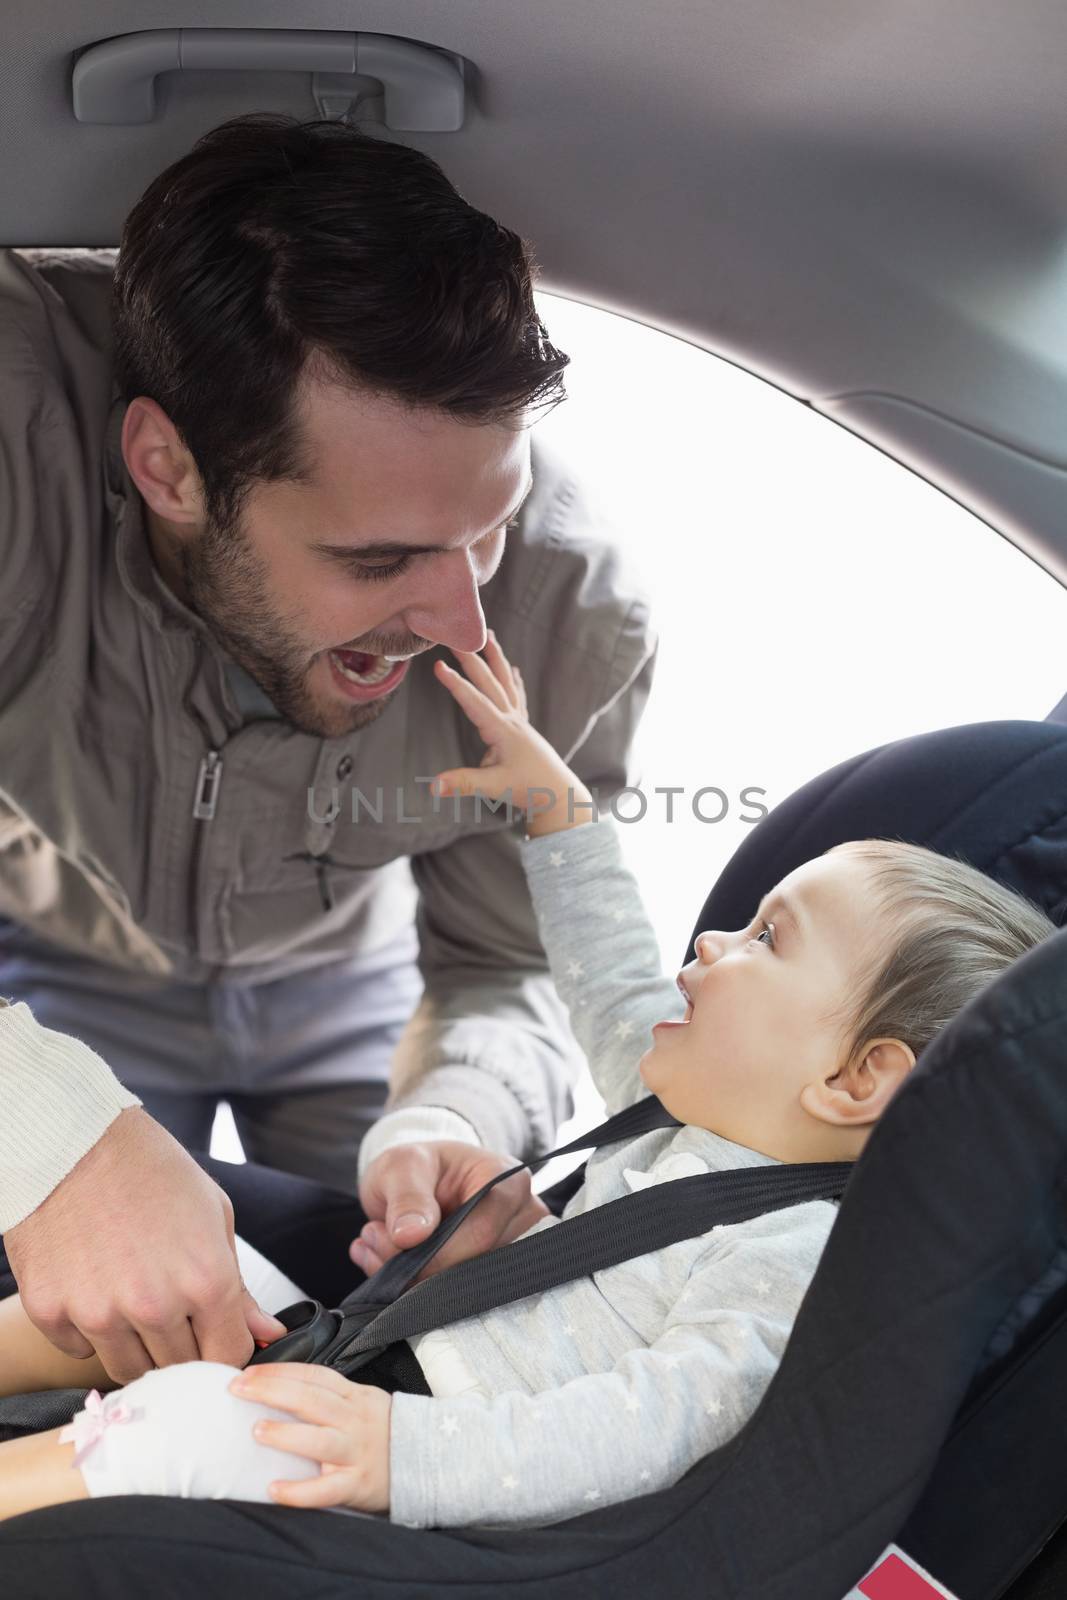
768	928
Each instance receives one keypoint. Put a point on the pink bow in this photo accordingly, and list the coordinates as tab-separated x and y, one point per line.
90	1425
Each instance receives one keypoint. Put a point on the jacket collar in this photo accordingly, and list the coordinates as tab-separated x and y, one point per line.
719	1153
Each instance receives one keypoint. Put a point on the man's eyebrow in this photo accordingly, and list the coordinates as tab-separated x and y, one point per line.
396	547
776	905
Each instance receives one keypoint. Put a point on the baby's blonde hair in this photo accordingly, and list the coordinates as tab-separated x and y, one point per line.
956	930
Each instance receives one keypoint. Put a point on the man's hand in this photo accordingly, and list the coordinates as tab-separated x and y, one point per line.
132	1256
434	1177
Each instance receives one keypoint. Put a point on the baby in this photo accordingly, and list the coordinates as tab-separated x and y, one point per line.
782	1041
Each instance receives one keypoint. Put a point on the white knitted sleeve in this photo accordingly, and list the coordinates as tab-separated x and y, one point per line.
57	1097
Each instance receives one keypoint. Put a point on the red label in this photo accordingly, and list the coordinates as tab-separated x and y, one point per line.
896	1579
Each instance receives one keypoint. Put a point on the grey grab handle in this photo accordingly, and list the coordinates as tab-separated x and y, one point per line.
423	87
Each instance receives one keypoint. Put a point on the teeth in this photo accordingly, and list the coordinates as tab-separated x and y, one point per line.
366	678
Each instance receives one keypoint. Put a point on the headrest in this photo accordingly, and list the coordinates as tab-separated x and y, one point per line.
993	794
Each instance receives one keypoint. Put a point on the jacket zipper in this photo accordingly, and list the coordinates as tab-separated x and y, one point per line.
205	804
208	782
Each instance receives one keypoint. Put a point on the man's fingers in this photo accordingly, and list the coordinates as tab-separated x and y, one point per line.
64	1335
404	1181
367	1260
400	1183
260	1324
176	1342
144	1281
411	1212
222	1332
528	1209
509	1210
499	1218
123	1356
226	1206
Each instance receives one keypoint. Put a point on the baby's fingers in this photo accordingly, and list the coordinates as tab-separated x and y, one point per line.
331	1489
305	1439
507	674
482	711
492	676
463	782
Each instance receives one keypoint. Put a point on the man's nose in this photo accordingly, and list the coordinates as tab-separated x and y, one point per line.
452	613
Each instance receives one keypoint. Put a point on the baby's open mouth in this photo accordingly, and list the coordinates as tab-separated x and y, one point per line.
684	992
681	1021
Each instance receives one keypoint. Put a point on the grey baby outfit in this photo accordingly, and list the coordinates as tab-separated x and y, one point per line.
615	1384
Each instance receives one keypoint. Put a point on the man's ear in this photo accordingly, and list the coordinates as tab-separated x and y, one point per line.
860	1091
160	465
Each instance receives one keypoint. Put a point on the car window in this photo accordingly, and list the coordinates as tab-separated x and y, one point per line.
813	598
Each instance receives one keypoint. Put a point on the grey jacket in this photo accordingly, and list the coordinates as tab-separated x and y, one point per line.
116	714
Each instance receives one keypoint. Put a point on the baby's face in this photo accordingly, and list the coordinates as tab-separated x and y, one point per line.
762	998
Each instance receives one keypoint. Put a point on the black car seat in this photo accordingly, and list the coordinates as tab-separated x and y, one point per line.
922	1398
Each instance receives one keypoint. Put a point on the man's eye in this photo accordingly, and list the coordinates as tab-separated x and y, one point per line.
376	574
395	568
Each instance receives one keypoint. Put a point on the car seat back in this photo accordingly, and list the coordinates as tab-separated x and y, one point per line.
924	1374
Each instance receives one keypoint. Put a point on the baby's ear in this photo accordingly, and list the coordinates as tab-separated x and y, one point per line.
892	1058
886	1065
860	1091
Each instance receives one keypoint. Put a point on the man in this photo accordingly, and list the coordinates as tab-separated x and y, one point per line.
289	448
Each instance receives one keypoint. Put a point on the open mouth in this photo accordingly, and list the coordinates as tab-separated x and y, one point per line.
684	1021
687	997
360	666
362	675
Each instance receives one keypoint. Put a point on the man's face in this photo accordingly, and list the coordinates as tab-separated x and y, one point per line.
279	603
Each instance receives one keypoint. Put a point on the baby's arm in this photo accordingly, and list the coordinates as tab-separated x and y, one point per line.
35	1472
529	1460
175	1431
602	950
29	1361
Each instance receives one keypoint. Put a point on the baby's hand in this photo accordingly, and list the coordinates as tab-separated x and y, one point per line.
344	1425
519	765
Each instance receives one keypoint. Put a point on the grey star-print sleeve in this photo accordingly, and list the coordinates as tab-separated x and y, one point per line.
521	1460
602	951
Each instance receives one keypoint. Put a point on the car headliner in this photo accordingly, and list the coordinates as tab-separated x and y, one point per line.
863	204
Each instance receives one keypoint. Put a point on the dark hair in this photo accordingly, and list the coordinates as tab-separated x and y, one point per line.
953	929
278	251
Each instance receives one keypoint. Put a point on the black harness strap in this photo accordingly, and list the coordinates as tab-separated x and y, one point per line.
390	1307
